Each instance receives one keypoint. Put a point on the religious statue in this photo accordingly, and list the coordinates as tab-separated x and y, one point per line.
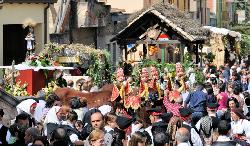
30	38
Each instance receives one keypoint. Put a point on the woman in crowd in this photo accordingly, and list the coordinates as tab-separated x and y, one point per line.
96	138
53	100
79	125
53	119
232	103
28	106
40	141
138	139
222	100
240	127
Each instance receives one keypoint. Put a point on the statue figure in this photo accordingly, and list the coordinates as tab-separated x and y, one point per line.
30	38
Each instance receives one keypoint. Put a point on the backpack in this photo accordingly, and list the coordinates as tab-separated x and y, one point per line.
174	124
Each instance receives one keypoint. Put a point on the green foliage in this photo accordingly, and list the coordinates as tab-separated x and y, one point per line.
245	45
100	68
210	57
187	61
244	29
199	77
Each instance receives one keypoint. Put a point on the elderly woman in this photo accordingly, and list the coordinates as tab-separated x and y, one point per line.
28	106
240	127
54	118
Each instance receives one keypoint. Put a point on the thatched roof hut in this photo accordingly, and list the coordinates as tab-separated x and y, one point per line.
167	14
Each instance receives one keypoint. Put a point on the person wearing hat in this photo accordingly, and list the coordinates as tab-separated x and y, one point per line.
186	114
240	126
211	112
158	126
4	132
208	124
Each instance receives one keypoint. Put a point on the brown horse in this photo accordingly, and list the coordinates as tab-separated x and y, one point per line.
94	99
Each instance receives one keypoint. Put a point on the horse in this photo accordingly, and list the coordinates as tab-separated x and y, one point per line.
94	99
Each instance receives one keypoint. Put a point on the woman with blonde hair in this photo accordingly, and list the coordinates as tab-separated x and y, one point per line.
138	139
96	138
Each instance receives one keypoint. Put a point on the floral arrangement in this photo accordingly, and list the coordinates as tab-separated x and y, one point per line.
50	88
36	61
97	61
18	89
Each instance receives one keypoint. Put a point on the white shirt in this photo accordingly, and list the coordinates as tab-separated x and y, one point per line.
8	133
150	128
240	127
108	129
223	138
73	137
195	137
184	144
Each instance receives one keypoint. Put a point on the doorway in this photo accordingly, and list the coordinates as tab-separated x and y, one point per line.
14	44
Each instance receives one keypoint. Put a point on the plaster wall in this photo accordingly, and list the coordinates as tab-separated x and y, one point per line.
23	14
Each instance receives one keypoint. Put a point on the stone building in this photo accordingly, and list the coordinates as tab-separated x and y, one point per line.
8	103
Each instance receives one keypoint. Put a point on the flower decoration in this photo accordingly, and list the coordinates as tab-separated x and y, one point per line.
19	89
120	75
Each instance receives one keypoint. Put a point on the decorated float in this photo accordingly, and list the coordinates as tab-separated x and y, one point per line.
44	70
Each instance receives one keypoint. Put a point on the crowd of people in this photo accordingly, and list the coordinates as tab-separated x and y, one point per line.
215	113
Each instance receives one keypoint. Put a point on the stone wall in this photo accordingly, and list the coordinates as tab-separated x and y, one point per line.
9	112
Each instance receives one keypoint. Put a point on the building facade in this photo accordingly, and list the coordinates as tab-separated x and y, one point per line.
15	18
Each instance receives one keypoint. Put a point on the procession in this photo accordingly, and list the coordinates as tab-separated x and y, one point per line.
102	73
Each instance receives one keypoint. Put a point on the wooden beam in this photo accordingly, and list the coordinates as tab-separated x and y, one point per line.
126	51
158	42
30	1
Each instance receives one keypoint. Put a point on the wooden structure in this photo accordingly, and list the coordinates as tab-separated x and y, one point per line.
146	26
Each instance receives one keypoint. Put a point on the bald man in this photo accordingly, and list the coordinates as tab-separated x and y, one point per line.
182	137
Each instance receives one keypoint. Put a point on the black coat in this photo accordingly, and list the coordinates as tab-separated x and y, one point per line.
159	132
224	143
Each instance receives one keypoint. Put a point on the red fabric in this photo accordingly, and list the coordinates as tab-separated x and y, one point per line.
35	80
155	113
184	118
115	93
172	107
